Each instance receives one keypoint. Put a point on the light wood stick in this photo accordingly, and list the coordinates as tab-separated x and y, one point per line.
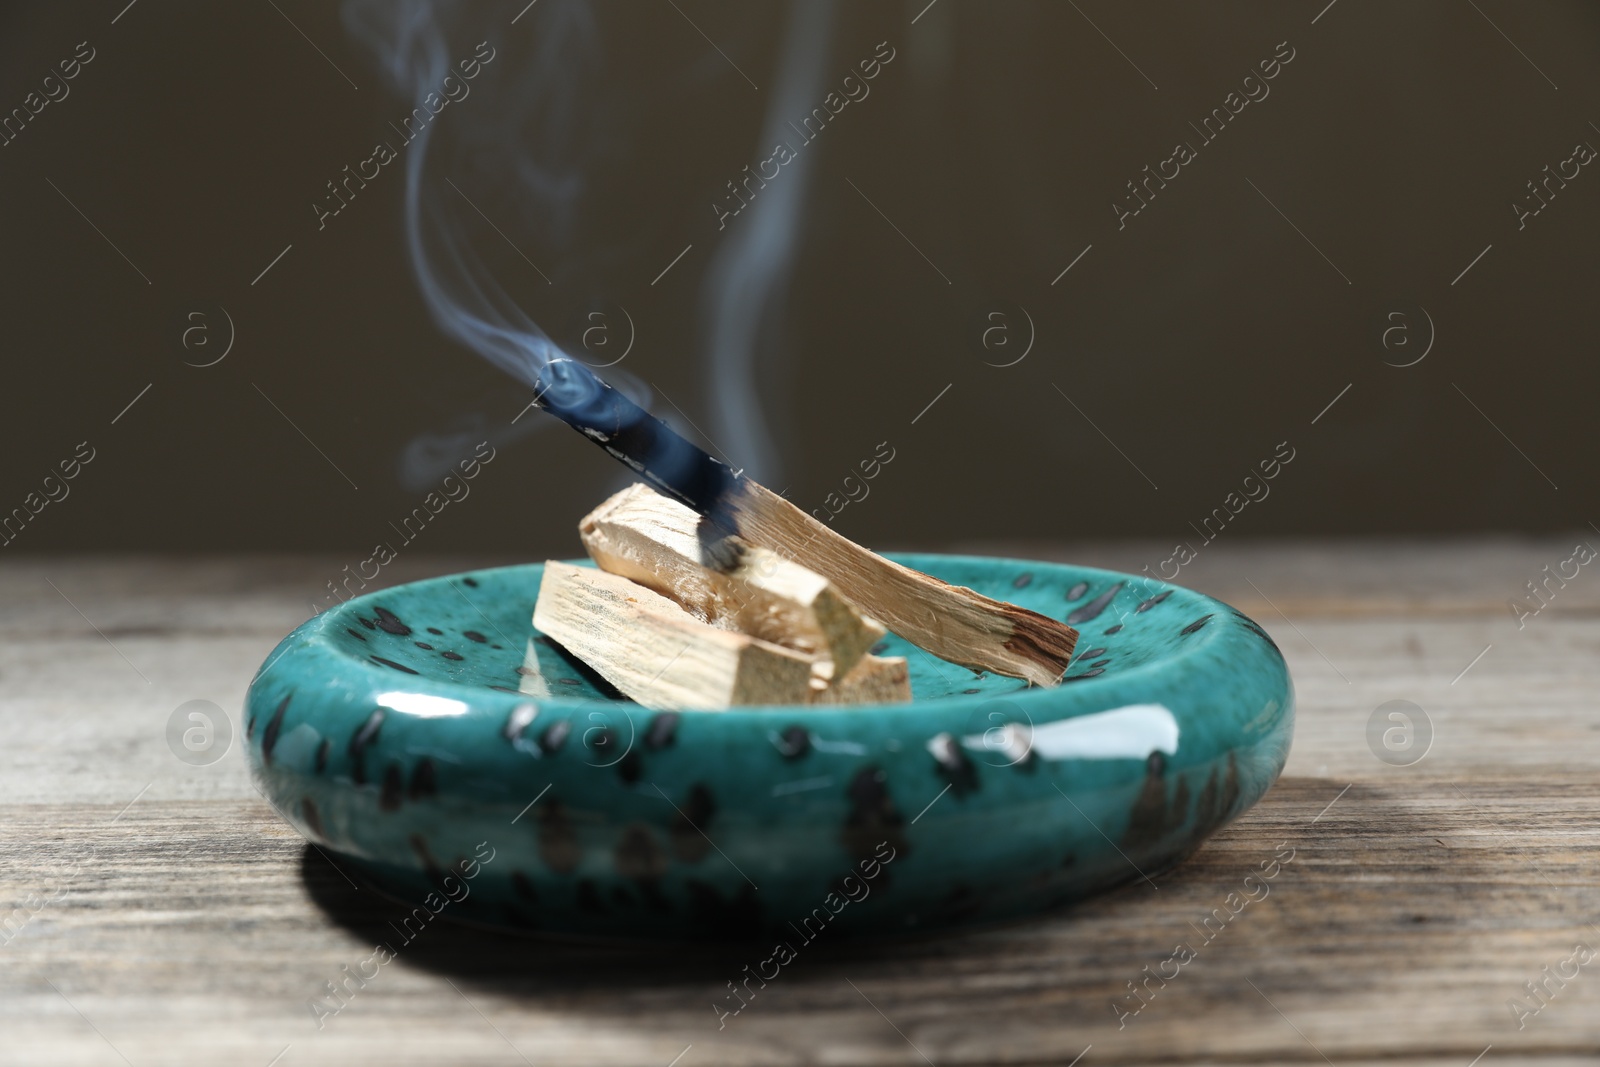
657	653
718	578
875	680
956	623
950	621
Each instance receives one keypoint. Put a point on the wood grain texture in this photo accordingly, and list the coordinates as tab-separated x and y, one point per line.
873	680
950	621
657	653
721	580
1418	902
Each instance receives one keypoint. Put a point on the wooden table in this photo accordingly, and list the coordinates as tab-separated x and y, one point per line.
180	921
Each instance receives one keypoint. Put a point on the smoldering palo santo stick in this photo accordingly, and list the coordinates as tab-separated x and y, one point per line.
650	448
950	621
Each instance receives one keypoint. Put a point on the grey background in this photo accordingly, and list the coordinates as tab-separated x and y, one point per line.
1196	339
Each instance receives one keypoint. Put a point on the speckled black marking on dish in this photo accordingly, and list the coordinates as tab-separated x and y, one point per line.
1218	798
650	890
519	720
368	623
638	857
880	648
473	635
1090	673
1259	632
558	842
364	736
873	816
424	646
424	780
1093	608
630	767
522	885
568	681
1091	653
793	743
555	735
435	631
392	663
430	866
1112	629
321	763
1077	591
1255	628
1153	817
734	918
1153	601
953	765
505	689
393	788
250	728
958	905
496	646
1207	809
1022	581
662	731
357	634
589	897
1100	663
969	692
452	655
308	809
269	736
690	833
390	623
470	581
1197	624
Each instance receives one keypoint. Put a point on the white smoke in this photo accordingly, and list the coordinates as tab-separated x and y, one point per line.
749	277
520	141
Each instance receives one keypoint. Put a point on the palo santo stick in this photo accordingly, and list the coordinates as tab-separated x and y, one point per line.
875	680
657	653
661	543
950	621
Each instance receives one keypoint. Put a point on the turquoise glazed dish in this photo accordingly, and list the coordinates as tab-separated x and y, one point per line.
428	739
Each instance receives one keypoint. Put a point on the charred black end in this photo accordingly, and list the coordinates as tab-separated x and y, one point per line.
719	549
649	447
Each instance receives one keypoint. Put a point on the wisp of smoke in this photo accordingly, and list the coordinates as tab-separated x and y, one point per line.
530	138
750	274
527	136
412	41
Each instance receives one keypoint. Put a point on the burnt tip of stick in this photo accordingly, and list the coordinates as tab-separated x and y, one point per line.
649	447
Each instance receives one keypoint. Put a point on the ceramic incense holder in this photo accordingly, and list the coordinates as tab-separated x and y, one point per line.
430	741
